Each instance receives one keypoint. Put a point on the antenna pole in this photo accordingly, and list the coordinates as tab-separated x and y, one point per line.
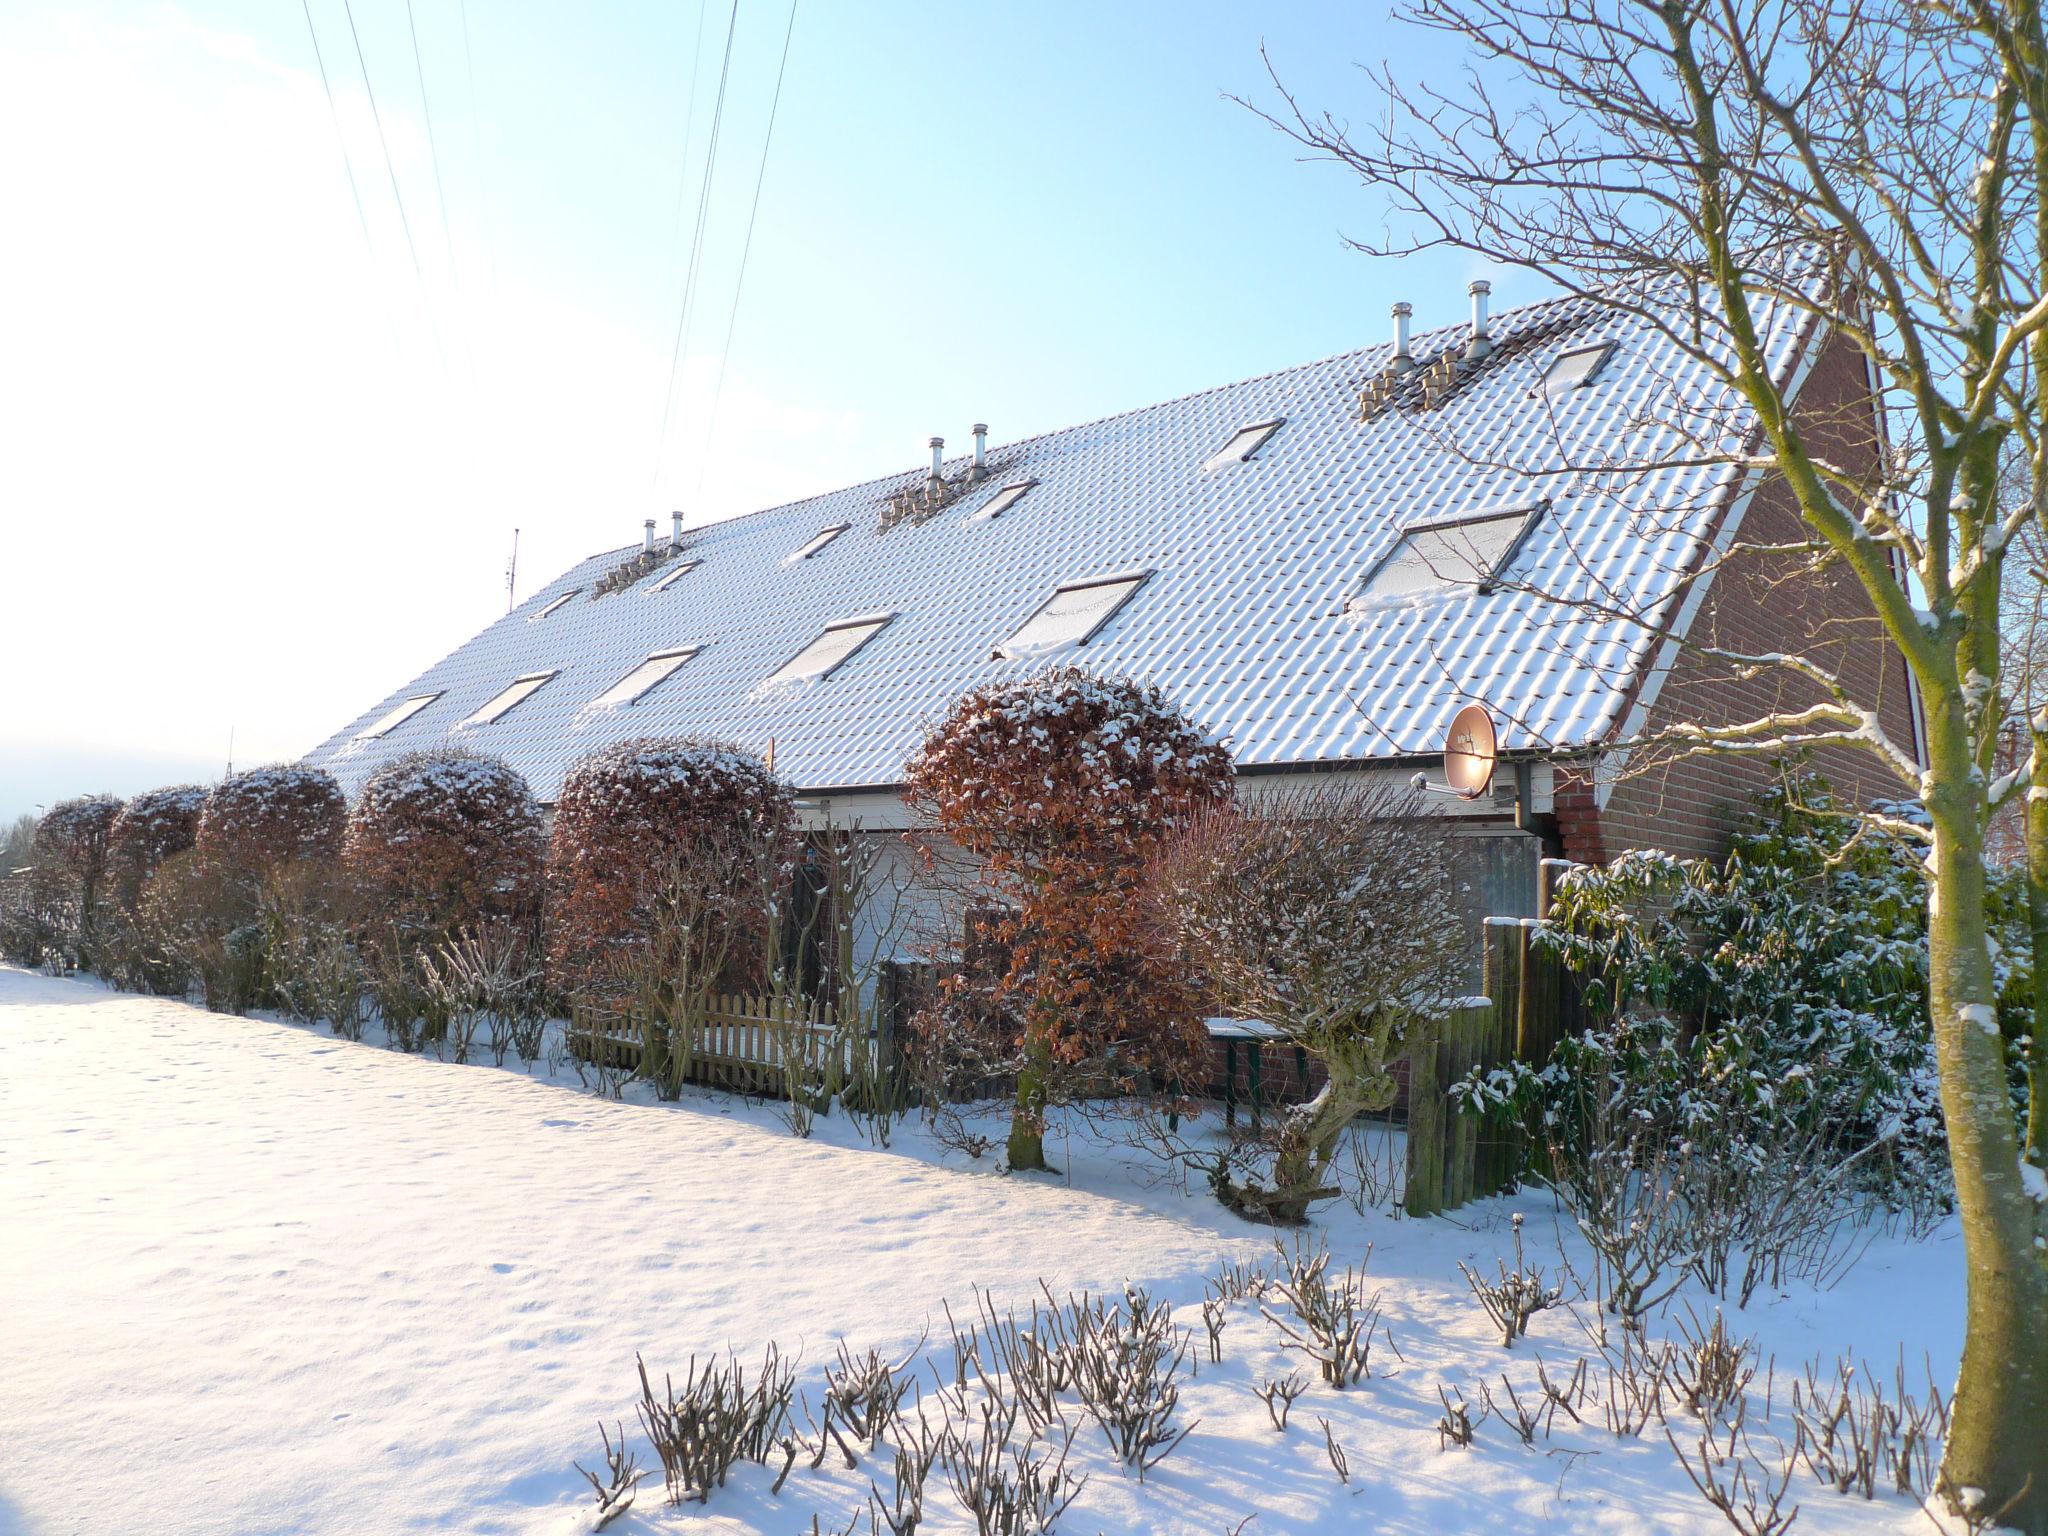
512	573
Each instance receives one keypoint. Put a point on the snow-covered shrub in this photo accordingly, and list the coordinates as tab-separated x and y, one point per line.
1060	787
716	1421
439	843
71	854
1330	1320
1128	1361
185	918
151	828
1331	914
269	818
645	825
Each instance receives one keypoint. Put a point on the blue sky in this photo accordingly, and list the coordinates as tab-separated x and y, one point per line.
264	468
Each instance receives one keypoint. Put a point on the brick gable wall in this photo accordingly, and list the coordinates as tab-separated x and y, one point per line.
1760	603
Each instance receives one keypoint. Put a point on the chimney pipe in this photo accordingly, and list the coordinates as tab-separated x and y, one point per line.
938	449
675	529
1402	362
1481	343
980	471
648	546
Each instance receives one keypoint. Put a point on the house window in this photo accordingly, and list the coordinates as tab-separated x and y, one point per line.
551	607
1577	368
1073	614
1002	501
832	649
390	722
1248	441
636	684
509	698
1468	551
663	583
818	541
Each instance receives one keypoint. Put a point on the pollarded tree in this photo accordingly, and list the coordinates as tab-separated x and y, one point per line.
266	821
1331	914
1060	787
151	827
71	843
442	842
636	820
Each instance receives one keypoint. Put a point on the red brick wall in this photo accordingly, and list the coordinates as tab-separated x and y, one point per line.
1760	603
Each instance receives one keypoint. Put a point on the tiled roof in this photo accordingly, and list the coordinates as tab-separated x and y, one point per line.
1243	621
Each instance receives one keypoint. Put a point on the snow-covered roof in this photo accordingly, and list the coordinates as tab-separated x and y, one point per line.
1245	617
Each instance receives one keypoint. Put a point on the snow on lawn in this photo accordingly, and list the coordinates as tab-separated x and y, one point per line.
254	1279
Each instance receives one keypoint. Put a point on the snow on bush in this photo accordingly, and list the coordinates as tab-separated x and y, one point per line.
151	827
442	842
1062	786
634	819
71	860
262	820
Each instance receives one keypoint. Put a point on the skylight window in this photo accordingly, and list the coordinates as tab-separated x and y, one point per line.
818	541
551	607
1074	613
1002	501
643	679
663	583
1577	368
509	698
390	722
1248	441
1469	551
832	649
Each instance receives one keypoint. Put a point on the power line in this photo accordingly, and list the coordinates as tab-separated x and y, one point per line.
696	241
392	171
433	148
340	139
746	249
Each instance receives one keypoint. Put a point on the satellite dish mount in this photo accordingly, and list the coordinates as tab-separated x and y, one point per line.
1471	751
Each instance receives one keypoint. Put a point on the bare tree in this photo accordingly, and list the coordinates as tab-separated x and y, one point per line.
1874	175
1329	913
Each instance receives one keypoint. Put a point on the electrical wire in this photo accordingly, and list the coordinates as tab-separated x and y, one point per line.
746	250
392	170
340	139
433	148
696	242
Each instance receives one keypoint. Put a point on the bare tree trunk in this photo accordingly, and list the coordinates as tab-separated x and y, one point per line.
1027	1119
1997	1452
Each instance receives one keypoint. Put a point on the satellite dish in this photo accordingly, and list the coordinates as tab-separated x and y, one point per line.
1470	751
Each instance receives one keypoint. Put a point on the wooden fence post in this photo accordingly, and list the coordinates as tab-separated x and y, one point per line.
1425	1196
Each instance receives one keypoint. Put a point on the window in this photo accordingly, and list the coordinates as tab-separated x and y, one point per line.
551	607
1073	614
1248	441
832	649
1002	501
508	698
636	684
388	723
663	583
818	541
1577	368
1469	551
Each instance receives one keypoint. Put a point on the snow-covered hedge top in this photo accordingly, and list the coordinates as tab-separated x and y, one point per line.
73	833
152	827
270	816
440	840
1066	747
660	786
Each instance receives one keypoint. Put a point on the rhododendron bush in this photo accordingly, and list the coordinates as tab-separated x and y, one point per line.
650	828
1060	787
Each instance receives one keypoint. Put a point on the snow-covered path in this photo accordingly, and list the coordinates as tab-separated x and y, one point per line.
261	1280
254	1279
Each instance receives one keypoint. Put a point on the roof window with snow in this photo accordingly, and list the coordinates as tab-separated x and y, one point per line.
664	582
1247	441
832	649
553	605
385	724
816	542
509	698
1001	502
643	679
1452	552
1075	613
1576	369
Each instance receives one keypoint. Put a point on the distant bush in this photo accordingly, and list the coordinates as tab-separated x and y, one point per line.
637	822
151	828
70	853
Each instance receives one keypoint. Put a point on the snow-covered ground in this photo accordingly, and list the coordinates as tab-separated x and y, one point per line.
255	1279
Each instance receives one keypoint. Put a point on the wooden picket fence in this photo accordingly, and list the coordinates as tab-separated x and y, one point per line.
1530	1004
738	1041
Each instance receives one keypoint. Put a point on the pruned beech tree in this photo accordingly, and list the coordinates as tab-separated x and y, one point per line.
151	828
1877	174
71	843
268	821
1330	913
1060	787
